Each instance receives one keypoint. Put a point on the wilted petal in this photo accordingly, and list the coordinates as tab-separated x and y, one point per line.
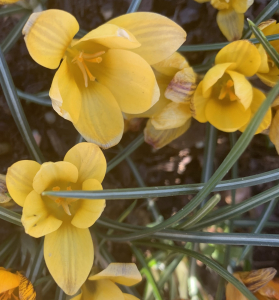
89	160
25	290
48	34
19	179
69	256
244	54
159	36
122	273
241	6
230	23
269	291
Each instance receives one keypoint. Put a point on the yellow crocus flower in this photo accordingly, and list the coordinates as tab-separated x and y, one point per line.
259	282
170	117
102	286
106	72
268	71
15	286
68	247
230	17
225	98
2	2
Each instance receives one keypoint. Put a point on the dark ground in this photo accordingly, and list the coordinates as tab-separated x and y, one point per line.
178	163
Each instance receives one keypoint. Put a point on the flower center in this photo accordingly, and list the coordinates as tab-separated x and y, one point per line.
80	60
227	90
64	202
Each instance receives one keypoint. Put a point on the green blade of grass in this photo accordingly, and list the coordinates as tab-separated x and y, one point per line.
38	263
59	294
34	98
10	216
133	6
12	9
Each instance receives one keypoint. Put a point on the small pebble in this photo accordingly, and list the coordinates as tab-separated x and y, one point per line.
50	117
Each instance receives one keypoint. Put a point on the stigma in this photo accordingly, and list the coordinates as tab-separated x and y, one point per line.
64	202
227	90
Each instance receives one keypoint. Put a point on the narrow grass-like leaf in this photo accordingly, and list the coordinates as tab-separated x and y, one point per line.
14	34
147	272
10	216
42	280
12	9
133	6
208	262
34	98
203	68
17	111
7	247
12	258
59	294
38	263
263	40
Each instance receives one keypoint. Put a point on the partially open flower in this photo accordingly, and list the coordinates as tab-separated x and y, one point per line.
230	17
106	72
225	98
15	286
103	286
68	247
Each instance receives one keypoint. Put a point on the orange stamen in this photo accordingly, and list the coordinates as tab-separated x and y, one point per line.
226	89
56	189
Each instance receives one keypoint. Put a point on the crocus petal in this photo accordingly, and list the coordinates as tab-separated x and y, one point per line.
171	65
241	6
242	88
8	280
269	291
213	75
65	95
227	116
89	210
19	179
36	218
69	256
230	23
154	32
129	297
111	36
198	104
172	116
130	79
269	80
48	34
232	293
244	54
50	173
258	99
100	121
122	273
182	86
25	290
89	160
263	68
160	138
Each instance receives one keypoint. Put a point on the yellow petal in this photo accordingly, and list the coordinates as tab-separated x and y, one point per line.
274	131
36	218
258	99
232	293
269	291
172	116
227	116
89	160
8	280
130	79
65	94
19	179
213	75
269	80
130	297
182	86
26	289
244	54
241	6
50	174
111	36
160	138
159	36
230	23
100	121
48	34
122	273
242	88
263	68
171	65
69	256
89	210
198	104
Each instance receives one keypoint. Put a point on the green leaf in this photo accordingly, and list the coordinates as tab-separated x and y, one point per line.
10	216
133	6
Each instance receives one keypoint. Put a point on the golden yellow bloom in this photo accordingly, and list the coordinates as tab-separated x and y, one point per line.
230	17
225	98
105	73
259	282
102	286
15	286
68	247
268	71
170	117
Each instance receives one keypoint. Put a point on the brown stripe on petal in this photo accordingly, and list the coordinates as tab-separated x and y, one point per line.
26	289
182	86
